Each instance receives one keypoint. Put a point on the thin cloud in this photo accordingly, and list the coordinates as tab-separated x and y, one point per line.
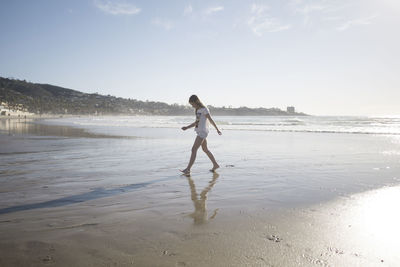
317	9
117	8
212	10
307	10
355	22
326	6
261	22
259	9
163	23
188	10
333	18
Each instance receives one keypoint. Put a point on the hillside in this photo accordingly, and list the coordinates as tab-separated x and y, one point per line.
49	99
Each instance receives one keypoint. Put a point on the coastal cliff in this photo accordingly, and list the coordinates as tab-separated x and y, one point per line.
20	95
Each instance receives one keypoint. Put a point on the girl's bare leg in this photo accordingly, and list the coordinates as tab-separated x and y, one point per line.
210	155
196	145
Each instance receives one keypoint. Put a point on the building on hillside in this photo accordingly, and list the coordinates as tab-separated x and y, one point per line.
3	111
290	110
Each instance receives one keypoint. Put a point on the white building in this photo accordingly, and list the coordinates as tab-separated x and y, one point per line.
290	110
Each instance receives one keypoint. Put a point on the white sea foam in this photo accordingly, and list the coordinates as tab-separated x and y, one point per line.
311	124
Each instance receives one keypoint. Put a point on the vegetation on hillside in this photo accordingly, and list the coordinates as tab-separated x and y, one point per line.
49	99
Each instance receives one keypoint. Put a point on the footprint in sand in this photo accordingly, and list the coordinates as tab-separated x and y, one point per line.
274	238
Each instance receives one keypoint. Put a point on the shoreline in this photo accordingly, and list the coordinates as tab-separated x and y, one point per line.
37	116
32	126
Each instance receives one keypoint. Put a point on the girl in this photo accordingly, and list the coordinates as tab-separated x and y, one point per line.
201	128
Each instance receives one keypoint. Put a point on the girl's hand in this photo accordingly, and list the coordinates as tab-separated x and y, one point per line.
219	132
184	128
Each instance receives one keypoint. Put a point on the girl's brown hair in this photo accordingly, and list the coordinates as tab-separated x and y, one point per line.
195	99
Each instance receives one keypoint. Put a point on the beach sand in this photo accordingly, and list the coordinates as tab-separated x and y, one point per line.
72	197
111	232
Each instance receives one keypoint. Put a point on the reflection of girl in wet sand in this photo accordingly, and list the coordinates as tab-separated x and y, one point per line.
201	128
200	210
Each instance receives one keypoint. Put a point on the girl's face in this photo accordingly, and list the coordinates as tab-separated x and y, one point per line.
193	104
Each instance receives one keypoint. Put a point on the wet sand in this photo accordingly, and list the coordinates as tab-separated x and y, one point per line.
72	218
30	126
110	232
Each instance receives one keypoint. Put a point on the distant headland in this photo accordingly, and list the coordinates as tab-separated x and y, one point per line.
22	97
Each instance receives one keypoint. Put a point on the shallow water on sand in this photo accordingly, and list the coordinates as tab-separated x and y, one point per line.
43	162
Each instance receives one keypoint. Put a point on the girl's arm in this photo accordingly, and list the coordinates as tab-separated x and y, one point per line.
189	126
213	123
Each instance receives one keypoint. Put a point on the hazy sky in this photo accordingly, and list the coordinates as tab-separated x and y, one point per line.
325	57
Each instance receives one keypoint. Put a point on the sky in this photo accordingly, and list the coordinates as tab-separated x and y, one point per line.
325	57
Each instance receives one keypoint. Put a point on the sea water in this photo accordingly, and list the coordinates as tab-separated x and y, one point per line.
265	161
313	124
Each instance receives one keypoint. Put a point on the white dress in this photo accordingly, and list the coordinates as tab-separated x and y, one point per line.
202	122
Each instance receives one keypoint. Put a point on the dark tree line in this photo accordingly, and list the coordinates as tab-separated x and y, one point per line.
50	99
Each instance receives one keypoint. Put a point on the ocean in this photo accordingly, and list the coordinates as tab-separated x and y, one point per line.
312	124
304	159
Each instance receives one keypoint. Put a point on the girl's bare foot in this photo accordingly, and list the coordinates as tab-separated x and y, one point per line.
214	168
185	171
